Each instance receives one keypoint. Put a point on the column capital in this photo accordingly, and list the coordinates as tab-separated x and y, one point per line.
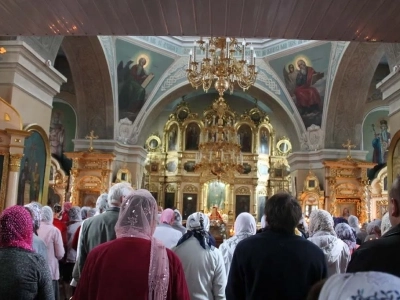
15	162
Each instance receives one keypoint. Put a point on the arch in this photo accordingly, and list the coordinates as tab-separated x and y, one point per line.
379	108
148	114
349	92
93	86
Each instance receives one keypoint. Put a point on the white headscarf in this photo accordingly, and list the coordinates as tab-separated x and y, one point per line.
353	223
193	221
363	285
264	221
47	214
138	218
385	225
321	221
245	226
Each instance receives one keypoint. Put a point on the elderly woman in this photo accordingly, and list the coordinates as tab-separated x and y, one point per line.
245	226
177	222
345	233
75	220
23	273
202	262
165	232
363	285
38	245
322	234
373	230
135	265
51	236
386	225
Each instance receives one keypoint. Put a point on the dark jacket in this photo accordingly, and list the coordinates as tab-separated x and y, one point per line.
380	255
272	265
24	275
97	230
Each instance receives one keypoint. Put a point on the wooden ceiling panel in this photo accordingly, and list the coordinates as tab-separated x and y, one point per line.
235	17
170	13
282	18
291	19
268	10
186	17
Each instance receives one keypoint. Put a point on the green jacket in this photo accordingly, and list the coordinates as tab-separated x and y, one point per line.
97	230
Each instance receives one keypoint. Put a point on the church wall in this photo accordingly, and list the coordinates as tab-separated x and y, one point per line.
394	122
32	110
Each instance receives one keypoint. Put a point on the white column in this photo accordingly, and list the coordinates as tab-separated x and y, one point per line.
12	184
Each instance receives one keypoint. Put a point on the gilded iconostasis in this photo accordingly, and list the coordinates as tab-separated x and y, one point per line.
153	123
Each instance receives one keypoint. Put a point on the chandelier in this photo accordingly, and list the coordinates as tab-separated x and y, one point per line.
224	62
219	152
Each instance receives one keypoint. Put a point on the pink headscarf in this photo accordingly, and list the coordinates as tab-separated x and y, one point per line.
167	216
67	206
138	218
16	228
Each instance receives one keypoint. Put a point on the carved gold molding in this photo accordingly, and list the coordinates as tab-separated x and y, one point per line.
3	179
15	162
243	190
189	188
379	205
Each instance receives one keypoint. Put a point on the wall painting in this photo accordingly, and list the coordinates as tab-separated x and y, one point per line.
138	72
304	75
35	167
376	136
62	133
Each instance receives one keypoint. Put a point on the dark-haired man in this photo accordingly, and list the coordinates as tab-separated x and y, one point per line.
382	255
276	264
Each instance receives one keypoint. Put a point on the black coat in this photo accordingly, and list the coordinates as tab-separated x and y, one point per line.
273	265
382	255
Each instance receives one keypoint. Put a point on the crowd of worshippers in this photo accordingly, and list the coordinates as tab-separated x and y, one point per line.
127	248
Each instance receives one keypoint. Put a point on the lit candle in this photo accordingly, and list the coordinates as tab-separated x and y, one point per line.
194	51
254	59
190	59
227	47
243	48
251	54
207	49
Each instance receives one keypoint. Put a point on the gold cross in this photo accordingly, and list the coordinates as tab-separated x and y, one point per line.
349	146
91	137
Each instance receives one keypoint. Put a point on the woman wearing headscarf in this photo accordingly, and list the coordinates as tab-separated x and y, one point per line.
177	223
355	225
322	234
165	232
363	285
345	233
245	226
75	220
373	230
202	262
386	225
23	273
64	214
38	245
135	265
51	236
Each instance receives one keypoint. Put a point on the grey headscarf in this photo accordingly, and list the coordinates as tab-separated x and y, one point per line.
74	214
386	225
177	222
91	212
35	207
102	203
84	211
47	214
353	223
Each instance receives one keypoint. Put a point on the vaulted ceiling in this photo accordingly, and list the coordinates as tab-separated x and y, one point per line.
358	20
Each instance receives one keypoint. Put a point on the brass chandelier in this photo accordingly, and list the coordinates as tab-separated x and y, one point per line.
225	62
220	150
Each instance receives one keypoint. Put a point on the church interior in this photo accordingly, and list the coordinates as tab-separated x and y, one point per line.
207	113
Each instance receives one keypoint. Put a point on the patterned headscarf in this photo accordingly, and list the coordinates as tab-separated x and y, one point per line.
385	225
167	216
16	228
177	218
35	208
67	206
363	285
198	225
345	233
84	211
138	218
321	221
75	214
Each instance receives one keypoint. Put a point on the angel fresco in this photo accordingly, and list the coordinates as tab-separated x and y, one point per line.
300	81
132	83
